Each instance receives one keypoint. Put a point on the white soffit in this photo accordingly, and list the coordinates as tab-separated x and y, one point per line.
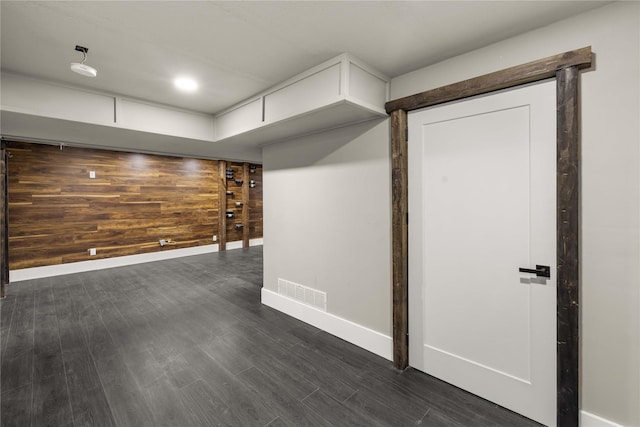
238	49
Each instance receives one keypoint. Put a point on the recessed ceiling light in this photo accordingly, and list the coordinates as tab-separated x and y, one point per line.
186	83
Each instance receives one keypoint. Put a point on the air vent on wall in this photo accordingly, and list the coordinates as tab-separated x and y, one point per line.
303	294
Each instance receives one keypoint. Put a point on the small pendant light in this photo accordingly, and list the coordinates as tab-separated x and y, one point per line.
81	67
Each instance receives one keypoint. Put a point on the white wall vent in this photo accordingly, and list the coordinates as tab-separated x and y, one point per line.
304	294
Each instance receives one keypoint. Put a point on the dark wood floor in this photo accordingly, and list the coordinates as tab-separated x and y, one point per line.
186	342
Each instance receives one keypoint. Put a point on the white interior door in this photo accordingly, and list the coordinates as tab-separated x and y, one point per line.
482	200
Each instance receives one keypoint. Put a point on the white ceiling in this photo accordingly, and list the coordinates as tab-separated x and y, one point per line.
237	49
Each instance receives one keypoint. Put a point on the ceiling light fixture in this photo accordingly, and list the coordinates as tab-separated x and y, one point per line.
186	83
81	67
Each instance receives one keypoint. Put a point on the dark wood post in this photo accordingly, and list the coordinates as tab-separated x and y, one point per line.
399	238
245	205
568	184
4	218
222	205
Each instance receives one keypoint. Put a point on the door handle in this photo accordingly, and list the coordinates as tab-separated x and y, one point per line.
540	271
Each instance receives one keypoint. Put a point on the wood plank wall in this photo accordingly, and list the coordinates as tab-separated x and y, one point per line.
57	212
235	226
255	201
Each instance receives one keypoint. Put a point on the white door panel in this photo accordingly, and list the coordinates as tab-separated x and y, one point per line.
482	204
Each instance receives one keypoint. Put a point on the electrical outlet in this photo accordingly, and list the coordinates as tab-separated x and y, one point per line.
162	242
215	238
92	174
92	251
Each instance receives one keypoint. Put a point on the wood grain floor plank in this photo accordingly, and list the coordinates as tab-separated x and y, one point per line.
129	408
7	306
458	405
434	418
166	406
313	368
327	365
355	357
143	366
205	405
48	354
248	407
16	406
112	369
280	422
469	401
51	405
24	309
187	342
395	395
16	366
16	369
288	407
226	354
179	372
89	403
367	404
270	364
336	412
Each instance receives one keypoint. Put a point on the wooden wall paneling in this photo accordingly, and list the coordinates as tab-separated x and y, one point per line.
400	237
235	202
222	205
245	205
58	212
255	201
4	220
568	232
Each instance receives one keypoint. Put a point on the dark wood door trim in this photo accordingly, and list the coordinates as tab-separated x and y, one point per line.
568	234
565	68
4	218
509	77
400	237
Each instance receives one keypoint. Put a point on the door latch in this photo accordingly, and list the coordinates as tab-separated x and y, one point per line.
540	271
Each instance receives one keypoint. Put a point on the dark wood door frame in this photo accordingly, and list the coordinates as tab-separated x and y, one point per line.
565	68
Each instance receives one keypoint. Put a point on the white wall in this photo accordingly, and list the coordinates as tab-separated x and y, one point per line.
327	203
327	217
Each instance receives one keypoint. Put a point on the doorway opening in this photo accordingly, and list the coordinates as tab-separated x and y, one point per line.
565	68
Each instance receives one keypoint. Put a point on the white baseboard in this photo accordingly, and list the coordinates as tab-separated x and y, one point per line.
234	245
590	420
100	264
238	243
256	242
370	340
